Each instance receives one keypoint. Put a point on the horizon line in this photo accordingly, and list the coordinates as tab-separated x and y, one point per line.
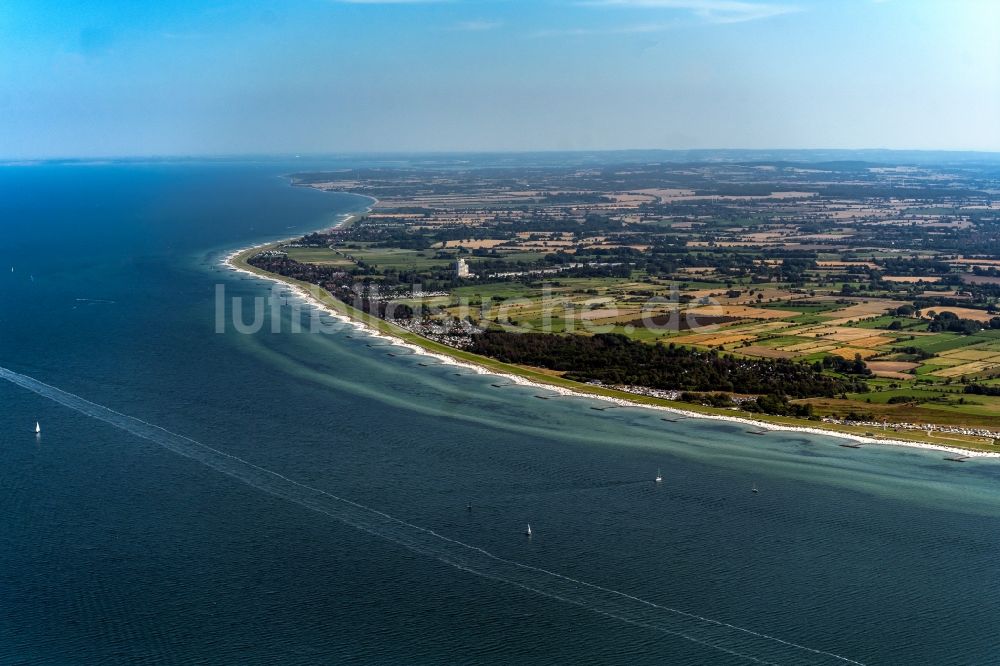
292	154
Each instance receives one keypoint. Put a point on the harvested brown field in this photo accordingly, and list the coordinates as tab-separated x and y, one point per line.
767	326
850	352
965	369
873	341
865	309
971	354
550	242
887	374
963	313
710	340
845	264
742	312
766	352
808	347
766	235
973	261
910	279
836	333
891	366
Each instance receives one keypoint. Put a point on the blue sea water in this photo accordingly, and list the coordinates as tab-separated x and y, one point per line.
317	514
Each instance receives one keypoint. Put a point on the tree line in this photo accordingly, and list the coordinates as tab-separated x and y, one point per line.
616	359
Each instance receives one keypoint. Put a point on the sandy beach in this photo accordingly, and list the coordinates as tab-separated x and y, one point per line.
229	262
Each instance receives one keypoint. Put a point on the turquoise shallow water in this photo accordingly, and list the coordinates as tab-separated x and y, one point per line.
330	524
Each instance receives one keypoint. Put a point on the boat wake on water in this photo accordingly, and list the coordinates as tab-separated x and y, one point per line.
737	641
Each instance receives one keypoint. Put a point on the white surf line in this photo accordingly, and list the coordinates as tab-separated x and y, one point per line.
721	636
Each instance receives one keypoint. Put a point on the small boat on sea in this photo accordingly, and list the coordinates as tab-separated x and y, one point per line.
38	428
659	477
527	532
754	488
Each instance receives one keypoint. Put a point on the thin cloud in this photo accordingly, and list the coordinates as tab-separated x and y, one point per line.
713	11
476	26
635	29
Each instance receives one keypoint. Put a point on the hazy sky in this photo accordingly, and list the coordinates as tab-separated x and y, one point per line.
93	78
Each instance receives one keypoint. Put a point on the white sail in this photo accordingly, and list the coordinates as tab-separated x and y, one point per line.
528	531
659	477
38	427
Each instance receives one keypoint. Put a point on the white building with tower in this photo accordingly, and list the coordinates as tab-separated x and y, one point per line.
462	268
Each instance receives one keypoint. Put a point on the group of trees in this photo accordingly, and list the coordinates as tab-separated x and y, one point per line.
848	367
949	321
916	353
778	404
765	404
616	359
982	389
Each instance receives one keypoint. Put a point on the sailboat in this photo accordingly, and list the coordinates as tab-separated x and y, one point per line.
754	489
38	428
527	532
659	477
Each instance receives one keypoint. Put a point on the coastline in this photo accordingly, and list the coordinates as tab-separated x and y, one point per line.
236	261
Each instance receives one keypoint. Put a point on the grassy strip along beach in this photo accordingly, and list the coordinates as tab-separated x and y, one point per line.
959	446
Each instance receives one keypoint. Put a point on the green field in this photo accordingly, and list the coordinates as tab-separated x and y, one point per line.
908	324
317	255
387	258
382	258
937	343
